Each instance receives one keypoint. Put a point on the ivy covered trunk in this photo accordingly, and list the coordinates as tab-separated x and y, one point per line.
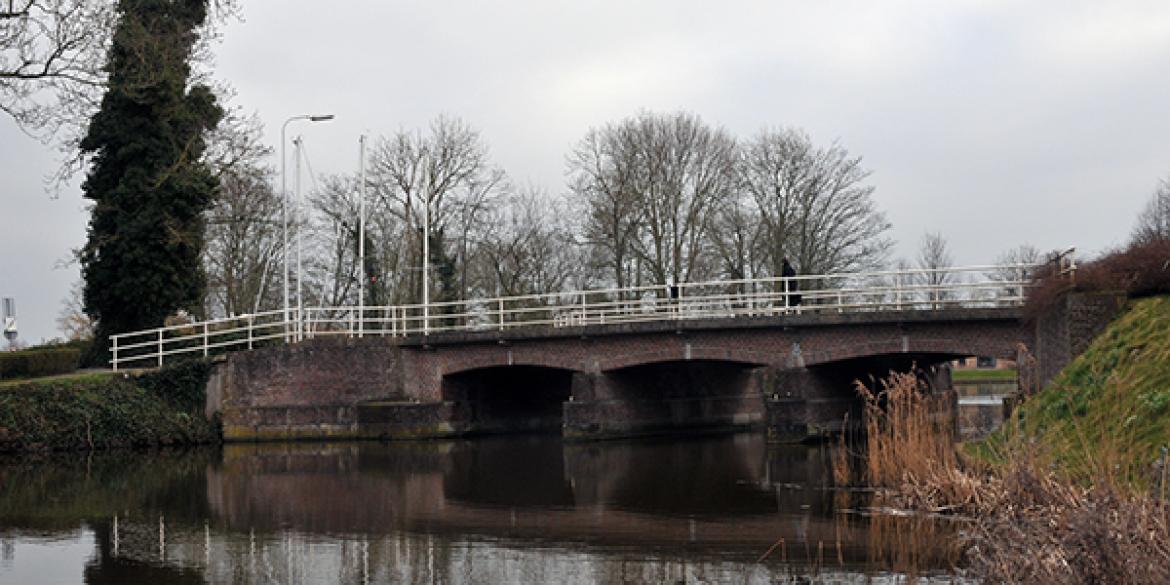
147	182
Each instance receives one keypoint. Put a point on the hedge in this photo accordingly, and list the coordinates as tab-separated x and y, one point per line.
38	362
162	407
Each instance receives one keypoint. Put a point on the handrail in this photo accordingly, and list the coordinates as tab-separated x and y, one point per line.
909	289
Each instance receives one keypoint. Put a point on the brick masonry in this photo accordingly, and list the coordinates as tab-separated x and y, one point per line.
1066	330
782	342
393	387
307	390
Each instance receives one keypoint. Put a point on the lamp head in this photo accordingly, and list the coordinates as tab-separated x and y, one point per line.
321	118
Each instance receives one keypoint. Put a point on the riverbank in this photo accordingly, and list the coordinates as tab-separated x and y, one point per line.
1072	489
106	410
1107	415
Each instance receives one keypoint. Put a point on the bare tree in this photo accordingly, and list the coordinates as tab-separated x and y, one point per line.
739	240
244	247
530	248
813	204
333	267
653	184
1154	221
601	173
1015	265
51	57
53	66
934	255
446	178
72	320
244	225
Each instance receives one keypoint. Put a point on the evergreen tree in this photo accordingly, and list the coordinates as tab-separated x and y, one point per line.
147	182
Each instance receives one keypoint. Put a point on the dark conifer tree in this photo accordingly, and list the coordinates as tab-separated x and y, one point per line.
148	185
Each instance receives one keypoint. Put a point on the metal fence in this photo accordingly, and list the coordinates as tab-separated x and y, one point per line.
899	290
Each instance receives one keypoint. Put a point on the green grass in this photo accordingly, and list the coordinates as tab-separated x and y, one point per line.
1107	415
982	375
73	377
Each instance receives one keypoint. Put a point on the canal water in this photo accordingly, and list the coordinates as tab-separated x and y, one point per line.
533	509
981	406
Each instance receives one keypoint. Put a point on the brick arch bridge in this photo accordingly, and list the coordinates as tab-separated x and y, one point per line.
791	373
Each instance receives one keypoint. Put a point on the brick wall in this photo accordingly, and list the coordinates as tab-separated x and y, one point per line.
774	342
1067	329
310	389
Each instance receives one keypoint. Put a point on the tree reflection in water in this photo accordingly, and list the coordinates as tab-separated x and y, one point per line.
518	509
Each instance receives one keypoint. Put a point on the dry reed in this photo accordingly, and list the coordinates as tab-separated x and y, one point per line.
910	445
1029	524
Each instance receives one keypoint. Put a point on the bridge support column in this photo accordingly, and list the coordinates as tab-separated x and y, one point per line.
803	404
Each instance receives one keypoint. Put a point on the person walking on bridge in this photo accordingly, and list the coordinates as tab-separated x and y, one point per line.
792	298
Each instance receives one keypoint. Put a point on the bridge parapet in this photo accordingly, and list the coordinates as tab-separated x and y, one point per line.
905	291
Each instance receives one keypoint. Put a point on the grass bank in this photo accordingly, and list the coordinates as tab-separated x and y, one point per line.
983	375
1106	416
99	411
1070	490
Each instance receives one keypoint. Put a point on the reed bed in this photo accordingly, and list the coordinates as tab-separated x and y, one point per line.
1027	523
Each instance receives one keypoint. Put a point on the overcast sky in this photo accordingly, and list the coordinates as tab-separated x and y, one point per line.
993	123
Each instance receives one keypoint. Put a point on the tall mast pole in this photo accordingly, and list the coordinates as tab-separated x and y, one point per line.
361	235
298	222
426	263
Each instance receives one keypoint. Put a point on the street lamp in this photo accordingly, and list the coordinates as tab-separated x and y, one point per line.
284	200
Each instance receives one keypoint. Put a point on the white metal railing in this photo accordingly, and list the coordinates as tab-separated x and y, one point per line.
898	290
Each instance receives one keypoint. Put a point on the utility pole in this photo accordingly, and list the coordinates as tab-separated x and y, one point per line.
300	265
426	263
361	235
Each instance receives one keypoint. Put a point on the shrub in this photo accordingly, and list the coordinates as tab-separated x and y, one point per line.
38	362
1140	270
164	407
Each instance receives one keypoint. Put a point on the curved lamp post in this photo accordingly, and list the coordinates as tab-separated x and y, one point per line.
284	200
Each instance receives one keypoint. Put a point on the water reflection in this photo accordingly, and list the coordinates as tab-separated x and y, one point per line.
981	407
522	509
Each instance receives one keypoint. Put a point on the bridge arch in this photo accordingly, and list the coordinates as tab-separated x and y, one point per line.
505	357
510	397
689	353
943	347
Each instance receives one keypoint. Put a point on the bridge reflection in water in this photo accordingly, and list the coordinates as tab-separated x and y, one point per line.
515	509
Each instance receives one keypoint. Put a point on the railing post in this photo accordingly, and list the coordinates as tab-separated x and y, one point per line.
898	291
584	308
500	319
251	319
114	351
1019	285
205	339
160	348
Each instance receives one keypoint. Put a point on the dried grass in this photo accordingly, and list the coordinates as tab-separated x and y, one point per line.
909	437
1029	524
